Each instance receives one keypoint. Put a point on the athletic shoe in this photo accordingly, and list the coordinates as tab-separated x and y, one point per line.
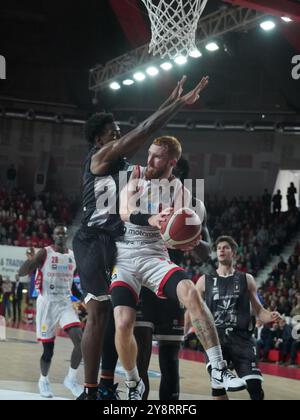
109	393
85	397
73	386
135	390
222	378
45	389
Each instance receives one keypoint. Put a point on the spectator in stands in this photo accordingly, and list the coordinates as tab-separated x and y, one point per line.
258	330
255	259
266	201
273	304
264	341
34	240
296	310
295	347
21	223
7	292
17	292
263	235
291	200
277	198
271	288
46	240
282	265
284	307
11	177
294	262
274	246
283	340
37	204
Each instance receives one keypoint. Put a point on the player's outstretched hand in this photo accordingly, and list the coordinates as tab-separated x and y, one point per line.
191	97
177	92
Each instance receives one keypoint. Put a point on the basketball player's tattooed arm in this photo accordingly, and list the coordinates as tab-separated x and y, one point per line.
261	313
129	144
33	263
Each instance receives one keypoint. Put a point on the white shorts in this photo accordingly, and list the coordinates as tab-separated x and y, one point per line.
148	267
51	313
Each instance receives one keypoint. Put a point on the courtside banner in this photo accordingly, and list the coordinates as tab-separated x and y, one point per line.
11	259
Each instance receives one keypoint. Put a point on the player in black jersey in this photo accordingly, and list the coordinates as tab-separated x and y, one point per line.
230	295
94	243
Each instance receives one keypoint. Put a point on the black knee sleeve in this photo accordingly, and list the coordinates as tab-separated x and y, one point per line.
169	367
254	387
48	352
109	352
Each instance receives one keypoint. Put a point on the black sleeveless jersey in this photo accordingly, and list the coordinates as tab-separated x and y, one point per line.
101	196
229	301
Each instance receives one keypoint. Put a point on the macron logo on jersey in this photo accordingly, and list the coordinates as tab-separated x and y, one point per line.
61	268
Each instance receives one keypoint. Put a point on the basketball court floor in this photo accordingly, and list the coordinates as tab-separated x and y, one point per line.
19	373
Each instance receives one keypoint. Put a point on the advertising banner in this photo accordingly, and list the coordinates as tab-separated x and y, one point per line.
11	259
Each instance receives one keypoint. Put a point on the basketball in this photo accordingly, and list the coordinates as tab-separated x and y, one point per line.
181	228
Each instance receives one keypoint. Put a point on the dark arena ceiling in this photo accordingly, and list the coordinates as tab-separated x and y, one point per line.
49	48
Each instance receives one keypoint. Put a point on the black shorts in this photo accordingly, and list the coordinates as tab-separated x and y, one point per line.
164	316
239	350
95	253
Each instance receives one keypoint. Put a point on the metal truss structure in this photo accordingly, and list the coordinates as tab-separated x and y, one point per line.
210	26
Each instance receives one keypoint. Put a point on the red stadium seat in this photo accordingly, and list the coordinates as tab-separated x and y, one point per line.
274	356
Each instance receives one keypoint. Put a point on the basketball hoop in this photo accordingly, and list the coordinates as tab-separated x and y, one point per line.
174	25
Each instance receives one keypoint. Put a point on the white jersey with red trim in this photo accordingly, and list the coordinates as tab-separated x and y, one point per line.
143	258
55	278
152	201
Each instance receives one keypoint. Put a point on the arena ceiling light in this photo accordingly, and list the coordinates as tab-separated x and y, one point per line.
195	53
212	46
268	25
115	86
166	66
286	19
128	82
139	76
180	60
152	71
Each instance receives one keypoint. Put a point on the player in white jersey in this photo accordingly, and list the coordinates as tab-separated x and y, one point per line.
55	267
143	260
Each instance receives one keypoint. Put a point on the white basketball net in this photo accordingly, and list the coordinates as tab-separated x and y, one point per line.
174	25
